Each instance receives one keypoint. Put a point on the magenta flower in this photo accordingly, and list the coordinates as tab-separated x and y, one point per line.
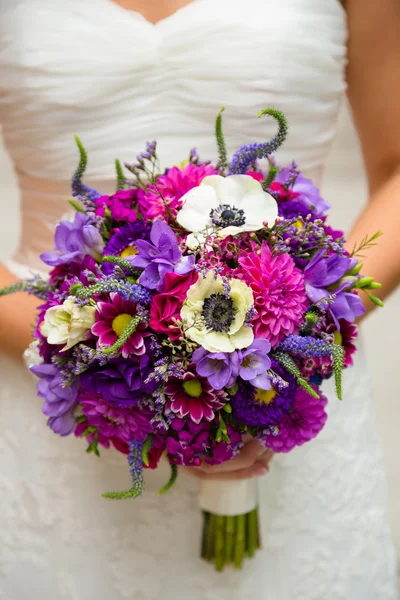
121	205
279	293
170	188
111	320
112	422
305	420
193	396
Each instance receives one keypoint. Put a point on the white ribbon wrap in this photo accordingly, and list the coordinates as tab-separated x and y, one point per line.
228	498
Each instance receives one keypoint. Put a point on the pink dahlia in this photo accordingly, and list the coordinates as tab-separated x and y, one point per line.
279	293
113	423
193	396
170	188
305	420
112	318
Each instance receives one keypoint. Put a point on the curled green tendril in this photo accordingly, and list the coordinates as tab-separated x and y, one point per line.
223	161
172	479
120	175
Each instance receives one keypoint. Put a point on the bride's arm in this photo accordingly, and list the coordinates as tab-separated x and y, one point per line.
374	94
17	314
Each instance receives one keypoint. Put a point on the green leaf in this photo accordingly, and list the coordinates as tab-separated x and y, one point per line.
173	478
77	206
146	448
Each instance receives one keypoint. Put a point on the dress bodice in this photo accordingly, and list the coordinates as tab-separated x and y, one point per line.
96	69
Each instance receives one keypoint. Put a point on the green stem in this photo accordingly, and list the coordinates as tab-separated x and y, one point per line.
210	536
240	541
252	533
129	329
204	541
219	542
230	528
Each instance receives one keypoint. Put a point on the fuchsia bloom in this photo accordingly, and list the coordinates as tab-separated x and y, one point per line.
305	420
193	396
112	317
170	189
279	293
121	205
113	422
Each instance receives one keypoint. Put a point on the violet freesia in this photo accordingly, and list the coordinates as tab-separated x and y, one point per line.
306	192
323	272
222	368
59	400
160	256
74	241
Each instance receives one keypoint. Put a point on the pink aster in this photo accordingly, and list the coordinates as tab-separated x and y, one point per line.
170	188
112	318
305	420
193	396
279	293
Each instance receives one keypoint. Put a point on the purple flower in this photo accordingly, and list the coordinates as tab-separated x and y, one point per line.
122	243
254	364
160	256
220	368
113	422
305	420
59	401
74	241
121	382
307	192
121	205
263	408
321	273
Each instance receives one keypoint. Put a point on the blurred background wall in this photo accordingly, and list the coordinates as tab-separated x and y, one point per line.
345	188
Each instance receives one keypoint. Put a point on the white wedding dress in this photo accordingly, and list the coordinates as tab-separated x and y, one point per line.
93	68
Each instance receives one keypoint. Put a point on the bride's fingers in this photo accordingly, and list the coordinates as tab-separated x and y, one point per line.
258	469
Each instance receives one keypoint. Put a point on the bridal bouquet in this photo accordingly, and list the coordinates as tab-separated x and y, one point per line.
192	310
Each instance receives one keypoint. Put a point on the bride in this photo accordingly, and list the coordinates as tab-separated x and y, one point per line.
118	73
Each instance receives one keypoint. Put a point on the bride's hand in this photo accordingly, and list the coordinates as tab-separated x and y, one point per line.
252	461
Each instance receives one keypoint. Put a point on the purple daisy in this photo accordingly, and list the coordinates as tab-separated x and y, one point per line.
122	243
112	319
263	408
193	396
301	424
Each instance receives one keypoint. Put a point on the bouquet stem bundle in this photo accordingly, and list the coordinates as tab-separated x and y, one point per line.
227	540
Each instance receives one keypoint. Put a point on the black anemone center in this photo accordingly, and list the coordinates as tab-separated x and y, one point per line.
218	312
226	215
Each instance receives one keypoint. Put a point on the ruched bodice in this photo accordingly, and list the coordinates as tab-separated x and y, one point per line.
96	69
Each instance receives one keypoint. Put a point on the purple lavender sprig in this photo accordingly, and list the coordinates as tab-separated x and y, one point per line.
36	286
306	346
248	154
128	291
135	461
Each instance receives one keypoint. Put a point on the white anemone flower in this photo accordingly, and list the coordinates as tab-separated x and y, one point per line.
232	205
67	324
215	311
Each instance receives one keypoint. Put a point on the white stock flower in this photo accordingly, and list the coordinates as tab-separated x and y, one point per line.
67	324
215	316
232	204
31	355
